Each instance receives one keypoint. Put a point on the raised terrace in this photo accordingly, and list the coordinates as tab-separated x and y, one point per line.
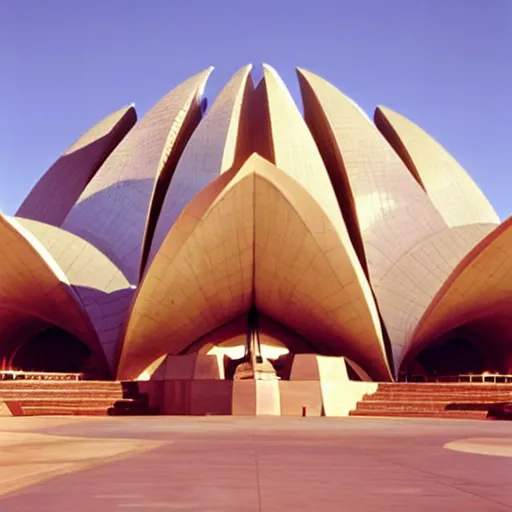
238	255
230	464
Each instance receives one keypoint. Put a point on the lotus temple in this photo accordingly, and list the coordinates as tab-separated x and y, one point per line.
244	256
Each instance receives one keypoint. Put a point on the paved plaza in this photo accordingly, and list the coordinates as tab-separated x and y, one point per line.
254	464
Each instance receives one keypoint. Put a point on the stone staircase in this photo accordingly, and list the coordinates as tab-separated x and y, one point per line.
67	397
439	400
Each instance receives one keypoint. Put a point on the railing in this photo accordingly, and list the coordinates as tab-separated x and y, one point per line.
493	378
487	377
20	375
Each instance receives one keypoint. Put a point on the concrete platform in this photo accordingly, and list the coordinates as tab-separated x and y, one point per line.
254	464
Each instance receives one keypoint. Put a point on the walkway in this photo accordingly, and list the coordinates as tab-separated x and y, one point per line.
254	464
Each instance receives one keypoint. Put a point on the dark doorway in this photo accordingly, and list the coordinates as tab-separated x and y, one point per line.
452	357
53	350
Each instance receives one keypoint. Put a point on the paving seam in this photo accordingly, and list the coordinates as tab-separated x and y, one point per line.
440	482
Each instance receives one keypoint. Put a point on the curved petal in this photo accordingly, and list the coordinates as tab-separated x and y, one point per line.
392	210
200	279
204	274
113	211
61	185
294	149
218	144
393	217
411	285
34	288
307	277
101	287
478	291
451	189
295	152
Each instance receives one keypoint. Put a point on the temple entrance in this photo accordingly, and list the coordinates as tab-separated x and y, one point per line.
452	357
253	365
53	350
455	354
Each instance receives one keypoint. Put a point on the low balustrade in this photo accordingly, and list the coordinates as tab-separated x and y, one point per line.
21	375
491	378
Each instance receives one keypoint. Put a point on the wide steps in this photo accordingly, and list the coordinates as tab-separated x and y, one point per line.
467	415
434	406
126	407
63	411
6	385
64	401
75	393
440	400
448	397
66	397
447	386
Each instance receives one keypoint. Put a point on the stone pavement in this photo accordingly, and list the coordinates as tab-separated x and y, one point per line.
254	464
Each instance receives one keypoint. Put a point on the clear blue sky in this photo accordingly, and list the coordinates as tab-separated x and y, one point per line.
446	64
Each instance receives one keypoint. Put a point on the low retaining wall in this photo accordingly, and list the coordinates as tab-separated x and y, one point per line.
250	397
195	384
